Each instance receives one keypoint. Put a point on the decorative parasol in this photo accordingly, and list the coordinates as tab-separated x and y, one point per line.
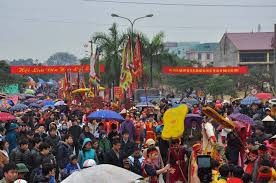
103	173
250	100
105	114
242	118
4	117
145	104
264	96
19	107
190	117
81	90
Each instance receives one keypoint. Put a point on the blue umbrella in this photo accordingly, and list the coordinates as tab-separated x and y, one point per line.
34	105
48	102
106	114
250	100
19	107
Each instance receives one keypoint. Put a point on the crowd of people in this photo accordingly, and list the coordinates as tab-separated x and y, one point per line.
50	145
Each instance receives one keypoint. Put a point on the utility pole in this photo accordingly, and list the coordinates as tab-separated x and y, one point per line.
274	56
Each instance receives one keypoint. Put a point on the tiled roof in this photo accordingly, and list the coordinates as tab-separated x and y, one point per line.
252	40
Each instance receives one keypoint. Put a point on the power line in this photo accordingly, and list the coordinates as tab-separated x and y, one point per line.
185	4
160	27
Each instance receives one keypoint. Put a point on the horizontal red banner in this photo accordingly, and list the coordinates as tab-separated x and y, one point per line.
57	69
205	70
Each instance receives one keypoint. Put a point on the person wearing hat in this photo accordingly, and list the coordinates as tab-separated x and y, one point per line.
269	124
159	161
22	170
149	170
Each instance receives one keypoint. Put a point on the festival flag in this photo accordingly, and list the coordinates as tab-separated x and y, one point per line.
94	79
126	77
137	70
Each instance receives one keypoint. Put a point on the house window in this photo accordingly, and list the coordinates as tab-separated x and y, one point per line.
271	56
208	56
253	57
199	56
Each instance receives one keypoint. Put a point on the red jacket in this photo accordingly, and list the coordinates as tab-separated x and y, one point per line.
234	180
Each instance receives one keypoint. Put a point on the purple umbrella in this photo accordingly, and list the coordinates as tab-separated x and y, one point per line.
190	117
242	118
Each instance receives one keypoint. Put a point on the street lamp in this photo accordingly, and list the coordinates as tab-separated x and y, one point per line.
131	21
132	25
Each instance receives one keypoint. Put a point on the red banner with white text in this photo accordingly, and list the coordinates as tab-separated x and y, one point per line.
56	69
205	70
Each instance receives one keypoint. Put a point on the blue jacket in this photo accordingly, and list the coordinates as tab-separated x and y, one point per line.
70	168
11	138
85	155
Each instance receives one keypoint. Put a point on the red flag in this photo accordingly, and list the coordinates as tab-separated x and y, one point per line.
137	60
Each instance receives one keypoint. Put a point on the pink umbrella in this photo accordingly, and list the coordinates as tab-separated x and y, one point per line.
264	96
4	116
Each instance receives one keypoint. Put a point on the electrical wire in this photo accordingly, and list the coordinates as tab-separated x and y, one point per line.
185	4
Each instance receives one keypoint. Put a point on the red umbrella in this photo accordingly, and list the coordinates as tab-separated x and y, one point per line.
4	116
264	96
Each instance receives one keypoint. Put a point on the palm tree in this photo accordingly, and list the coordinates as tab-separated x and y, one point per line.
152	51
111	46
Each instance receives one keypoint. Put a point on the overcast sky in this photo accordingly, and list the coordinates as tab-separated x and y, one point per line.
38	28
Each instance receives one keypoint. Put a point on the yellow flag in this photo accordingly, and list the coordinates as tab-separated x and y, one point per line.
174	122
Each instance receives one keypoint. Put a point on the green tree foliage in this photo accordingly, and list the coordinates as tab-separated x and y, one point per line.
220	85
111	44
62	58
153	51
6	77
28	61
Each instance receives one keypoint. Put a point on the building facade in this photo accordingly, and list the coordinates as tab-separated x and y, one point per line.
251	49
203	53
180	48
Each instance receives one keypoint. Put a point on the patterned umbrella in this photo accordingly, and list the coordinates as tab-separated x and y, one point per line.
242	118
4	117
19	107
250	100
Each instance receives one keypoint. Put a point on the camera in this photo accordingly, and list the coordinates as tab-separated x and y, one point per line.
204	168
